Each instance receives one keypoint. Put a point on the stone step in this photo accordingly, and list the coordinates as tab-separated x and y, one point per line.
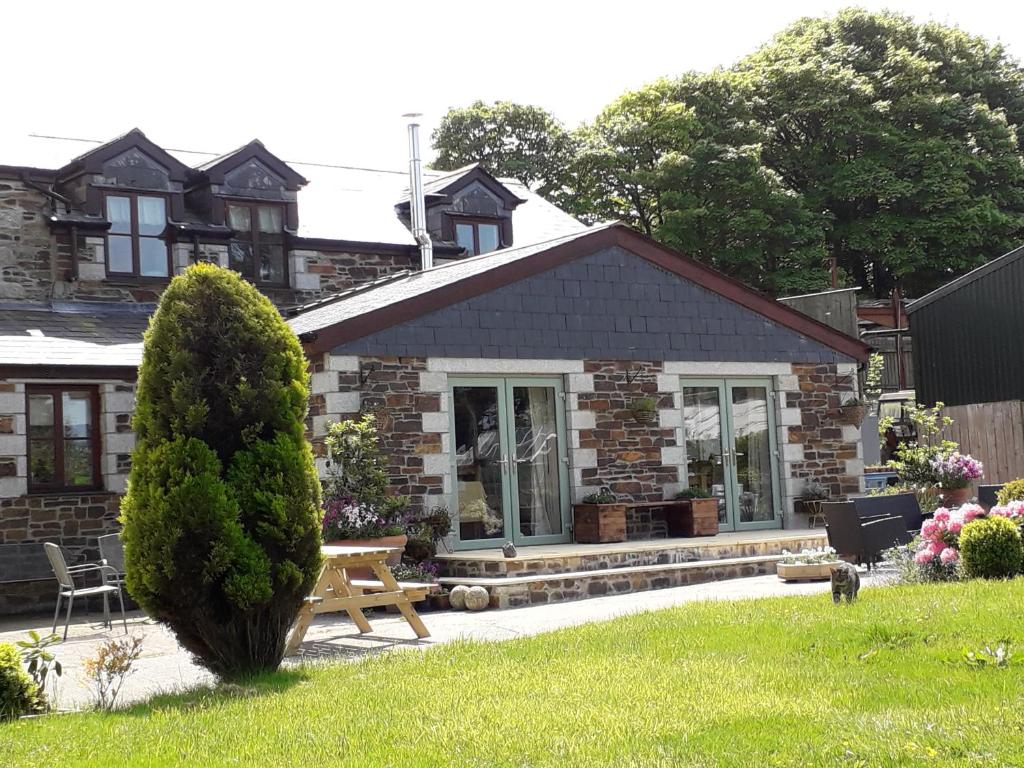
565	559
541	588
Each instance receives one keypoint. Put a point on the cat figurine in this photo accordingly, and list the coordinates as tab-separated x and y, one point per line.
845	581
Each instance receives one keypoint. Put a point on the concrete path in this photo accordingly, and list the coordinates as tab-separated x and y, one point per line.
165	667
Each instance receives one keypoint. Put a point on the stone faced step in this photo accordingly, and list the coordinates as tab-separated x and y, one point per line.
538	589
562	559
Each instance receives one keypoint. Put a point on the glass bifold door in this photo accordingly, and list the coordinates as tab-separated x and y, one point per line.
509	461
729	428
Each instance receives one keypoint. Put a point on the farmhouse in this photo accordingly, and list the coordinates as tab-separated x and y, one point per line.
536	359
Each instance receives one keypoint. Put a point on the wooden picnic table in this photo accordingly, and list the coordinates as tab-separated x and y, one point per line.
336	590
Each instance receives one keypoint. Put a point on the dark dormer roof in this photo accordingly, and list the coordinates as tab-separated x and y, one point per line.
440	189
218	168
94	160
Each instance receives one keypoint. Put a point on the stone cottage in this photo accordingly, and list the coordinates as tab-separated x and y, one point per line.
504	378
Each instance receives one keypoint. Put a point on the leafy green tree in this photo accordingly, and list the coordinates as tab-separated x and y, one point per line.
904	134
617	171
721	205
222	514
516	140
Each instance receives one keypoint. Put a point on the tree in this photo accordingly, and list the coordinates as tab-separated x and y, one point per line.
904	134
617	168
515	140
720	204
681	161
222	513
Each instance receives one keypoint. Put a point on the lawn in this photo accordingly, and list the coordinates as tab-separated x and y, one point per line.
792	681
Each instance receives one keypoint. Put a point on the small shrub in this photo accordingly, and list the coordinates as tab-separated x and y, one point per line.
990	548
38	660
603	496
110	667
693	493
19	695
1012	491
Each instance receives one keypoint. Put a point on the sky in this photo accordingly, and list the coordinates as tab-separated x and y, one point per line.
329	81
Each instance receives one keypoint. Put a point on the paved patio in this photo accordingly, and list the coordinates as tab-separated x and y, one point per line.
165	667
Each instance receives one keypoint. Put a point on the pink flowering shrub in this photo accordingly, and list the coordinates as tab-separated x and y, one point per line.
1012	510
937	552
956	470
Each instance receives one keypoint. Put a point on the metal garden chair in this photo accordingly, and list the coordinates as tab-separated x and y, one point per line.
112	555
67	588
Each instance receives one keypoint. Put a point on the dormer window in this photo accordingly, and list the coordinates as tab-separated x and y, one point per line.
257	249
477	236
135	244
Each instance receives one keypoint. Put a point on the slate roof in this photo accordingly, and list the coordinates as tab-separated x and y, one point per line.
348	304
340	202
72	334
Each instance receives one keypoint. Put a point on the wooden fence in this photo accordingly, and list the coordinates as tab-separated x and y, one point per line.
992	433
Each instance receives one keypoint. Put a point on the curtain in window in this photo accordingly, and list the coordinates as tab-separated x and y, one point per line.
152	215
269	219
239	219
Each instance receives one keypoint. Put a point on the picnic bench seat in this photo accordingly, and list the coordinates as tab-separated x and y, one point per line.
415	590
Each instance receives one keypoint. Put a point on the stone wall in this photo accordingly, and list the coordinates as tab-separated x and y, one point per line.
36	263
817	446
411	407
633	459
74	521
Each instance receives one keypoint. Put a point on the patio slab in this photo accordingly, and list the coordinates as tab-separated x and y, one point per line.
165	667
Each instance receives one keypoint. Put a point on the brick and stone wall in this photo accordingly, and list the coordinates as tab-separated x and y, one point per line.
36	263
819	448
74	521
411	407
610	448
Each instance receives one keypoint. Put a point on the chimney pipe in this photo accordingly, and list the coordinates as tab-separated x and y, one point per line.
417	208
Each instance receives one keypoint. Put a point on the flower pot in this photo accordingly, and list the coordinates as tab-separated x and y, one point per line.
955	497
805	571
852	414
394	558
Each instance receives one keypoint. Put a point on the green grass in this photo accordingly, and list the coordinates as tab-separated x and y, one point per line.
792	682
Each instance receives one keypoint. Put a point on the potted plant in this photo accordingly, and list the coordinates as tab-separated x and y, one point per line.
954	473
358	510
600	518
702	517
809	565
644	410
811	497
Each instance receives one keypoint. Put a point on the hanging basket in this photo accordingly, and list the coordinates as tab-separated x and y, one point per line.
645	416
852	414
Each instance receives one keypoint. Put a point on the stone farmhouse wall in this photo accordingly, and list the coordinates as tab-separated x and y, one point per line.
36	263
410	397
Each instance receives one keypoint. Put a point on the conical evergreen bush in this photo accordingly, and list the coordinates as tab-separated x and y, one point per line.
222	513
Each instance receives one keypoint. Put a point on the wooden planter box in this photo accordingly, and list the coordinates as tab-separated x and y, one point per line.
692	517
805	571
598	523
704	520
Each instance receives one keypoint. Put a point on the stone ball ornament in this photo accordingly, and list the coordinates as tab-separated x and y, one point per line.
457	597
477	599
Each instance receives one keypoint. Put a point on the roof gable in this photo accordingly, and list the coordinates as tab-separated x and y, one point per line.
440	190
251	166
357	314
964	280
133	150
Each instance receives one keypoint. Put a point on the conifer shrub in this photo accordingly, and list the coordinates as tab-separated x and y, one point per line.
222	512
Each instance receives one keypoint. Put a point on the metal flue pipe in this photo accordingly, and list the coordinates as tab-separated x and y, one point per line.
417	208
